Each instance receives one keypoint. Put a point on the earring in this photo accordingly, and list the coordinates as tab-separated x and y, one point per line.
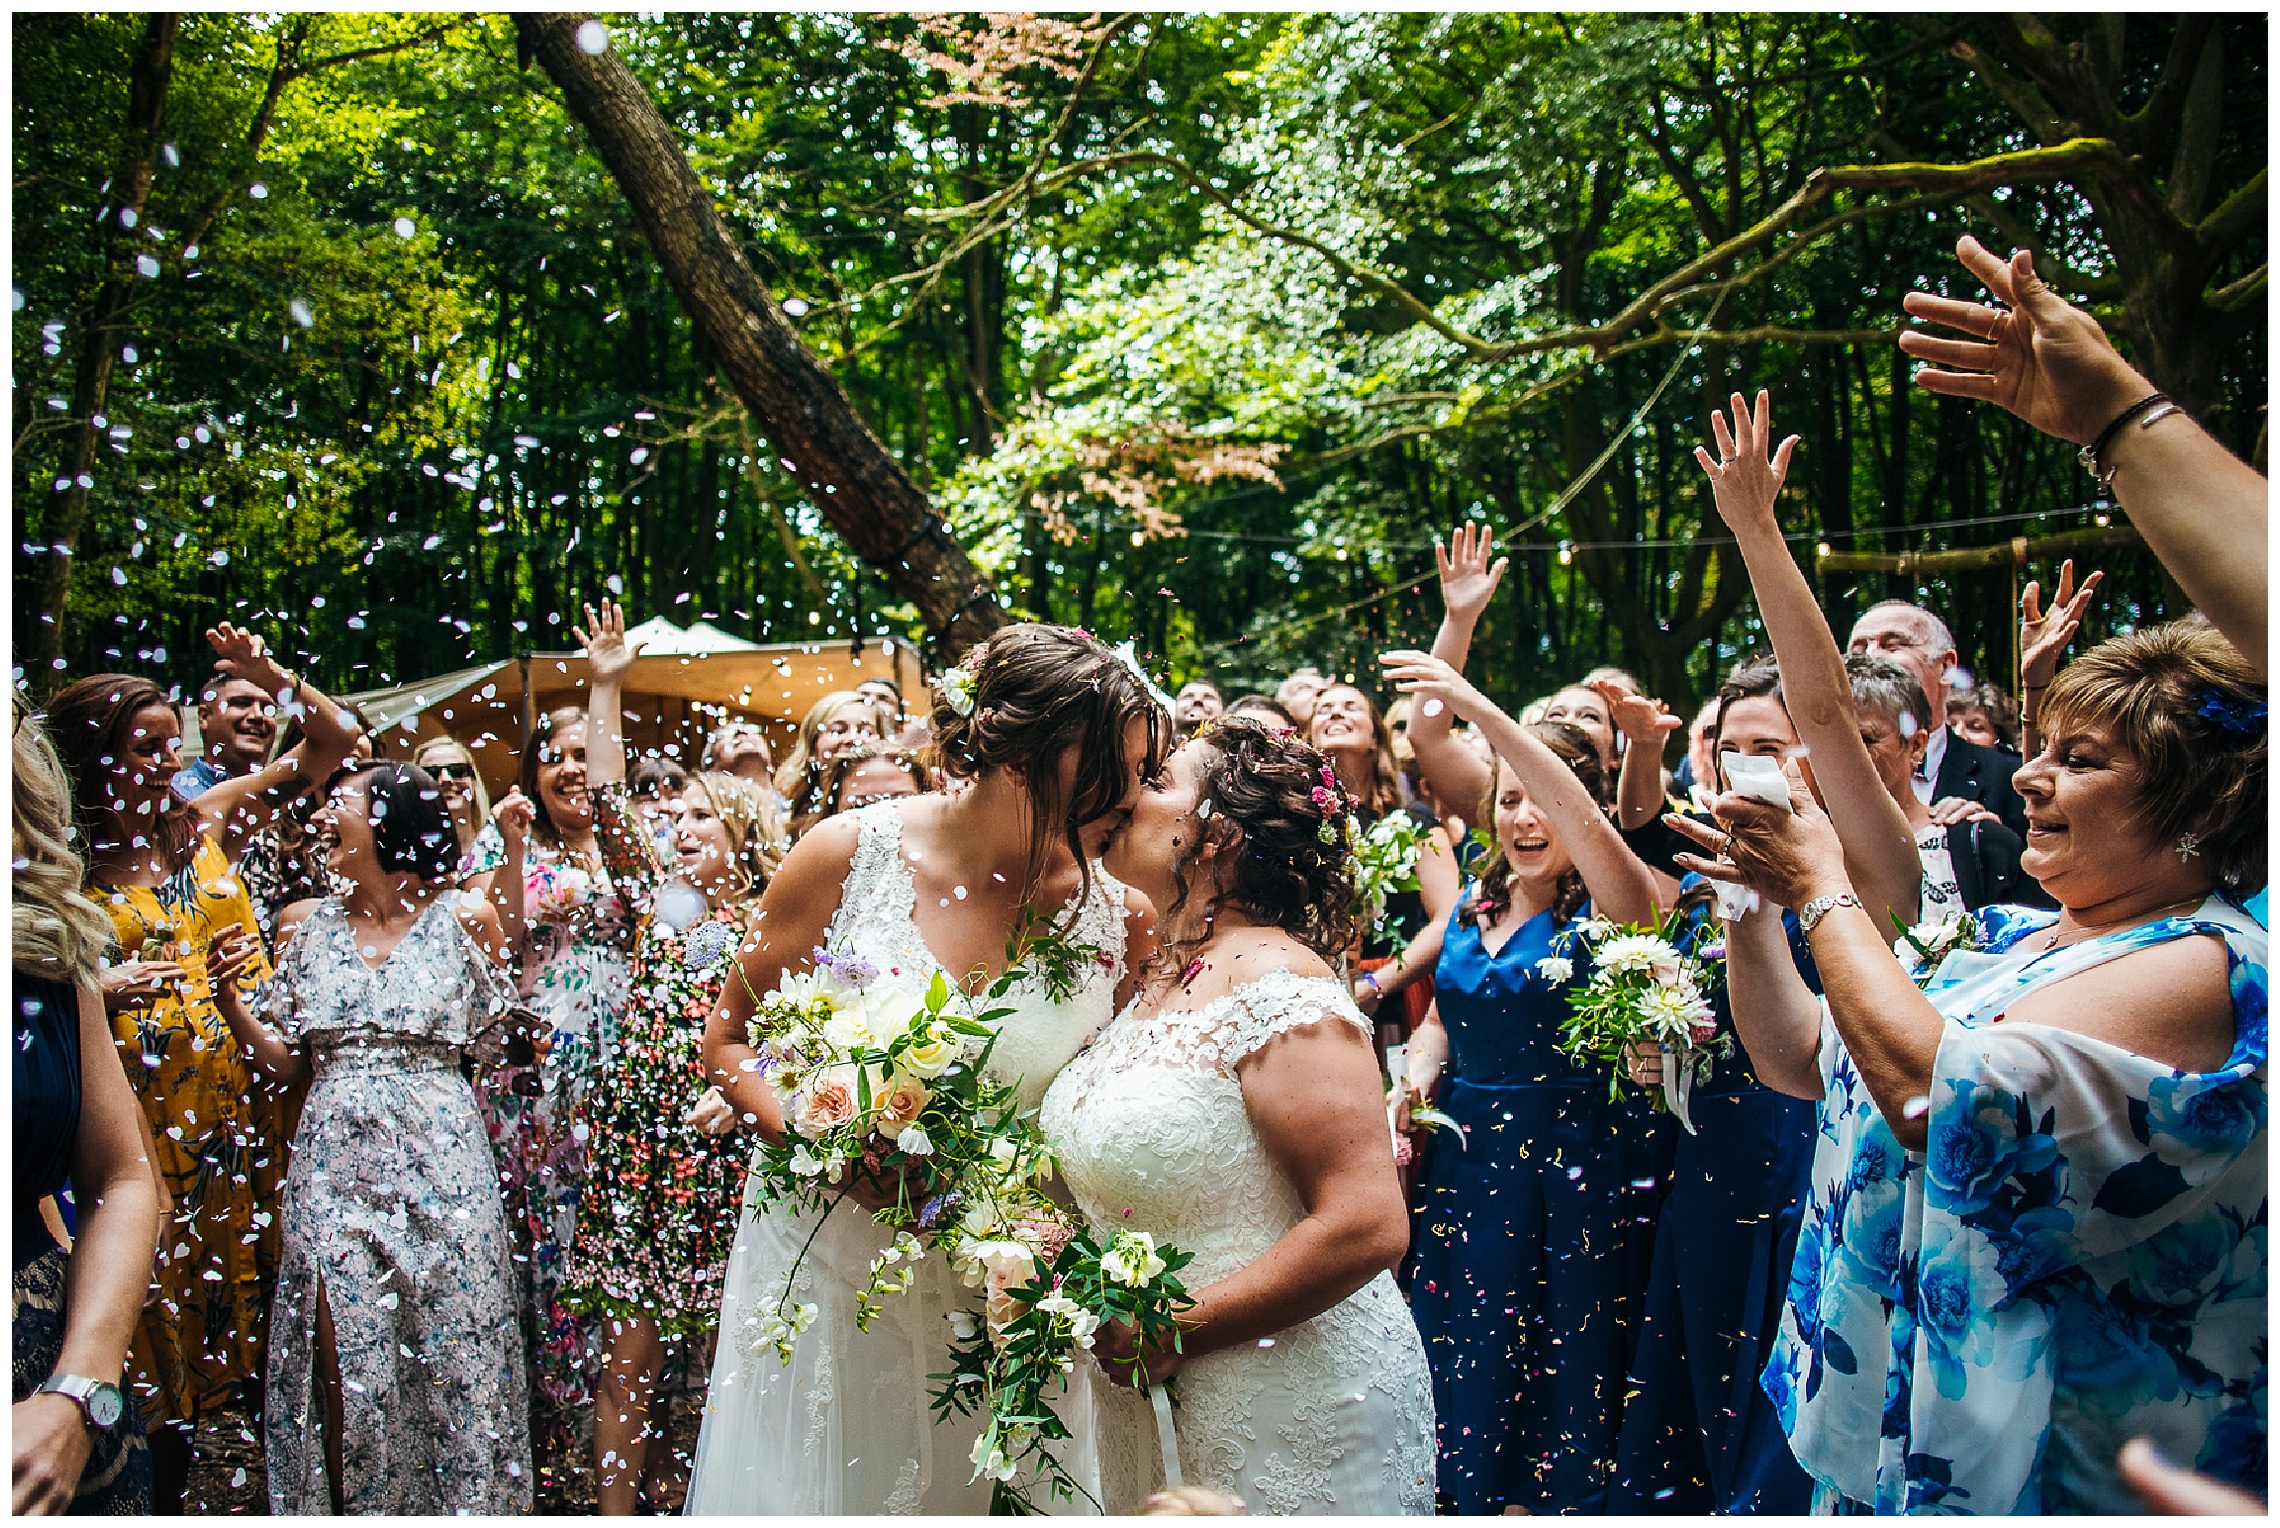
2188	846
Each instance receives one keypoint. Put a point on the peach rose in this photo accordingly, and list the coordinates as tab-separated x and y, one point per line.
826	1103
898	1105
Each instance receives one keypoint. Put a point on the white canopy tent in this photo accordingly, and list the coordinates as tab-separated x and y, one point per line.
684	683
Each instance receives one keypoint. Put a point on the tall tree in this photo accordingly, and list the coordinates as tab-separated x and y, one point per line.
126	263
884	517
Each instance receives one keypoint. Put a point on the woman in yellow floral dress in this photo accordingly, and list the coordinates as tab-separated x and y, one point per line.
163	868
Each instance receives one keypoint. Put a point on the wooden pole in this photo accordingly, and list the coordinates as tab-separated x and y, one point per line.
2016	552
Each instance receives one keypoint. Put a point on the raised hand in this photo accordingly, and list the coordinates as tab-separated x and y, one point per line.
711	1113
2039	356
603	637
513	816
134	983
1431	681
2043	635
242	654
229	956
1468	582
1644	723
1744	479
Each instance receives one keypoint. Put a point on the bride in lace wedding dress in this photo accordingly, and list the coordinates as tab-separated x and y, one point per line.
1050	733
1233	1110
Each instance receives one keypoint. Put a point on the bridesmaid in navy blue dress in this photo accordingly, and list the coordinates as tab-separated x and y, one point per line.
1532	1240
1698	1435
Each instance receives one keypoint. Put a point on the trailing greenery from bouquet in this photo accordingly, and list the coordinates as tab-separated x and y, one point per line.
1384	864
884	1080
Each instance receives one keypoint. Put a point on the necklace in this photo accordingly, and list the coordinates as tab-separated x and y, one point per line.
2055	941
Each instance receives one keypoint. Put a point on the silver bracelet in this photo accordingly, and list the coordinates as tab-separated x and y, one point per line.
1810	915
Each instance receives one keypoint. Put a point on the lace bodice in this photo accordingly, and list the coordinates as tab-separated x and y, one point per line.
877	919
1151	1130
1333	1414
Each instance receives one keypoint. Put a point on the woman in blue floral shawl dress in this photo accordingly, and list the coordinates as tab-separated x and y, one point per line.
2037	1221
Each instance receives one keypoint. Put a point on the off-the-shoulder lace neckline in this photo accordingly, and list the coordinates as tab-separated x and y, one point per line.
1283	976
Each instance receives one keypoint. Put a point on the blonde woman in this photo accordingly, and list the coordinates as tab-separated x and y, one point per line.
842	720
465	800
78	1440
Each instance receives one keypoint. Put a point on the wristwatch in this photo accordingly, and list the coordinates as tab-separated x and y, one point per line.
1820	907
100	1403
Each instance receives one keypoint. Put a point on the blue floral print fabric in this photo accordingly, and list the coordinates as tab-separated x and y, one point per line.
2075	1259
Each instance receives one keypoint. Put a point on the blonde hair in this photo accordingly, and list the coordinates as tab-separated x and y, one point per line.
753	823
2191	708
459	755
59	933
799	770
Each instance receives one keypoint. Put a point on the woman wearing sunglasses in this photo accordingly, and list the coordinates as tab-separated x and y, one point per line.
464	799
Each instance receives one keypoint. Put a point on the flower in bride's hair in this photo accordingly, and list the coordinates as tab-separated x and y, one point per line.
959	687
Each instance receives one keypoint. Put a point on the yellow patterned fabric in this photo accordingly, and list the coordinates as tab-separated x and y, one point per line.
220	1144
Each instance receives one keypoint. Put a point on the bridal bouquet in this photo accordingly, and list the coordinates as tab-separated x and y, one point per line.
1643	989
888	1079
1050	1287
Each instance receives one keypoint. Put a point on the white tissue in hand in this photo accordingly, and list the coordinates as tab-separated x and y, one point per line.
1759	779
1734	901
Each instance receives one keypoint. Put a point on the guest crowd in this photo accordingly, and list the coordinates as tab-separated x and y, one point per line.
353	1095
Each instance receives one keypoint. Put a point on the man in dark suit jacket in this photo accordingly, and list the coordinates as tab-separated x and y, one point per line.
1957	774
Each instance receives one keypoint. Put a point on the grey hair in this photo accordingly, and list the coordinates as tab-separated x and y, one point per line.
1883	686
1929	627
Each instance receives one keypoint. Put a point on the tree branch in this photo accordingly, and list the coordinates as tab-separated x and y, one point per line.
2236	217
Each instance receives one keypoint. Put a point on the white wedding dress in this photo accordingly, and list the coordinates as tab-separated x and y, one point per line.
847	1429
1332	1415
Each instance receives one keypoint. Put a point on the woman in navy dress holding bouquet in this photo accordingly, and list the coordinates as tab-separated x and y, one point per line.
1531	1242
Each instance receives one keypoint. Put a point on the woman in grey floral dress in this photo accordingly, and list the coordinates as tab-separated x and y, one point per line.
395	1363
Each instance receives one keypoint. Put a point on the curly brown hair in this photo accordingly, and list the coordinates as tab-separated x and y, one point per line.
1040	691
1263	787
1493	894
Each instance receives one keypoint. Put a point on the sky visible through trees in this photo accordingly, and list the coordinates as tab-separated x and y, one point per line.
1191	329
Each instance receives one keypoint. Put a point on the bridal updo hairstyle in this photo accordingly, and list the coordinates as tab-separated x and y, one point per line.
1038	692
2188	705
1494	894
1278	796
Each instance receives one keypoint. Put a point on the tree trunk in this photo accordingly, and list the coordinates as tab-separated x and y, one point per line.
99	344
812	425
